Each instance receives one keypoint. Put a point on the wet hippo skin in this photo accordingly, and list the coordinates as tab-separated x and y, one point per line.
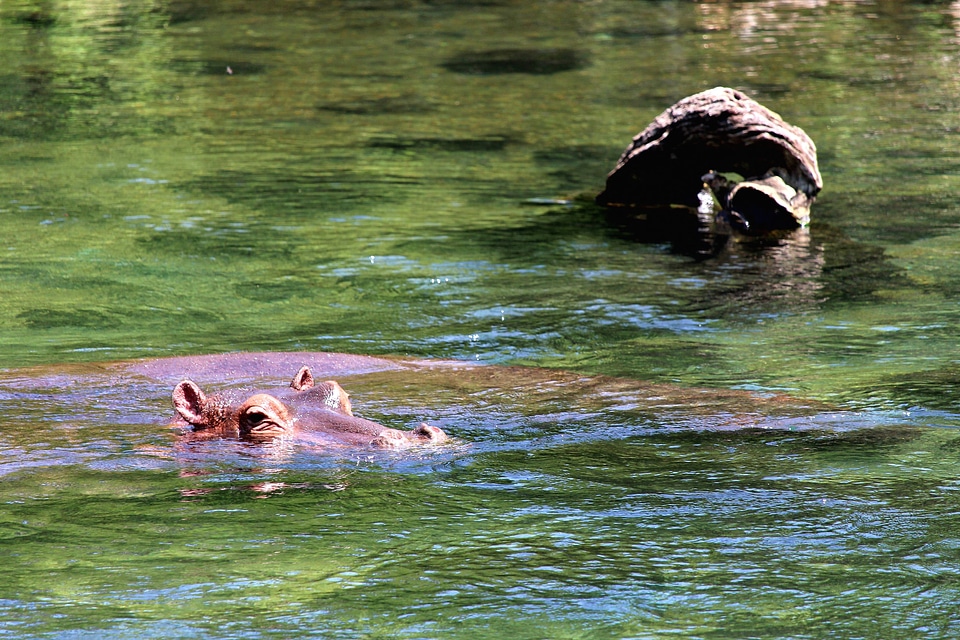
253	368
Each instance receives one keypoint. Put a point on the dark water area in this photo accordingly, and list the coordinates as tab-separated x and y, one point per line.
656	436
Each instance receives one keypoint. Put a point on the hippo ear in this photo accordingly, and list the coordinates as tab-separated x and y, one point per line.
303	379
336	398
189	402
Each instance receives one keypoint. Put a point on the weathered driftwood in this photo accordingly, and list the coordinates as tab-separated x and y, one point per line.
720	131
759	206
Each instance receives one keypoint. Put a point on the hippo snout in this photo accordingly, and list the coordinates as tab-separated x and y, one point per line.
423	434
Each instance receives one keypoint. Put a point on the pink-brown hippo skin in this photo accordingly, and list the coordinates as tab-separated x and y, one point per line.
306	409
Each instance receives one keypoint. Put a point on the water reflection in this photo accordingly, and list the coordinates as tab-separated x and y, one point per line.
782	273
761	19
789	272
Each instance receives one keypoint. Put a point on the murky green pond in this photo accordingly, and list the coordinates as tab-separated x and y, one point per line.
759	442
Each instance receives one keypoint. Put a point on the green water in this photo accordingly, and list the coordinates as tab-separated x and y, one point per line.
370	177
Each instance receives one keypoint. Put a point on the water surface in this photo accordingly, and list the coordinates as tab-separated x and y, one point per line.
414	178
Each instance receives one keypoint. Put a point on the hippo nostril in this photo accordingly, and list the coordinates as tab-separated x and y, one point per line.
429	432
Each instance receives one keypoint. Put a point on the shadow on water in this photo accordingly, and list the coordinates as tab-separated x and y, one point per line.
426	144
937	389
46	318
576	167
223	239
522	61
293	191
214	67
408	103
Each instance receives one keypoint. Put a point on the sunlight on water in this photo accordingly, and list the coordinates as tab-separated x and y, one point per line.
669	436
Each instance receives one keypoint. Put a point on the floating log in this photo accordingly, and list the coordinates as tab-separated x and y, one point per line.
715	132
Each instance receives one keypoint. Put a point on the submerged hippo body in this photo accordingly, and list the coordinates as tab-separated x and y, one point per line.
307	409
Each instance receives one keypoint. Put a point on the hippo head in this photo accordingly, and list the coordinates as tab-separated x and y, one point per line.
306	407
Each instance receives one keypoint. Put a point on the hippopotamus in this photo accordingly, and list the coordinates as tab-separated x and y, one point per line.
307	409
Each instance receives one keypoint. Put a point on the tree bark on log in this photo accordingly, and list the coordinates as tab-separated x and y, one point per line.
722	131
